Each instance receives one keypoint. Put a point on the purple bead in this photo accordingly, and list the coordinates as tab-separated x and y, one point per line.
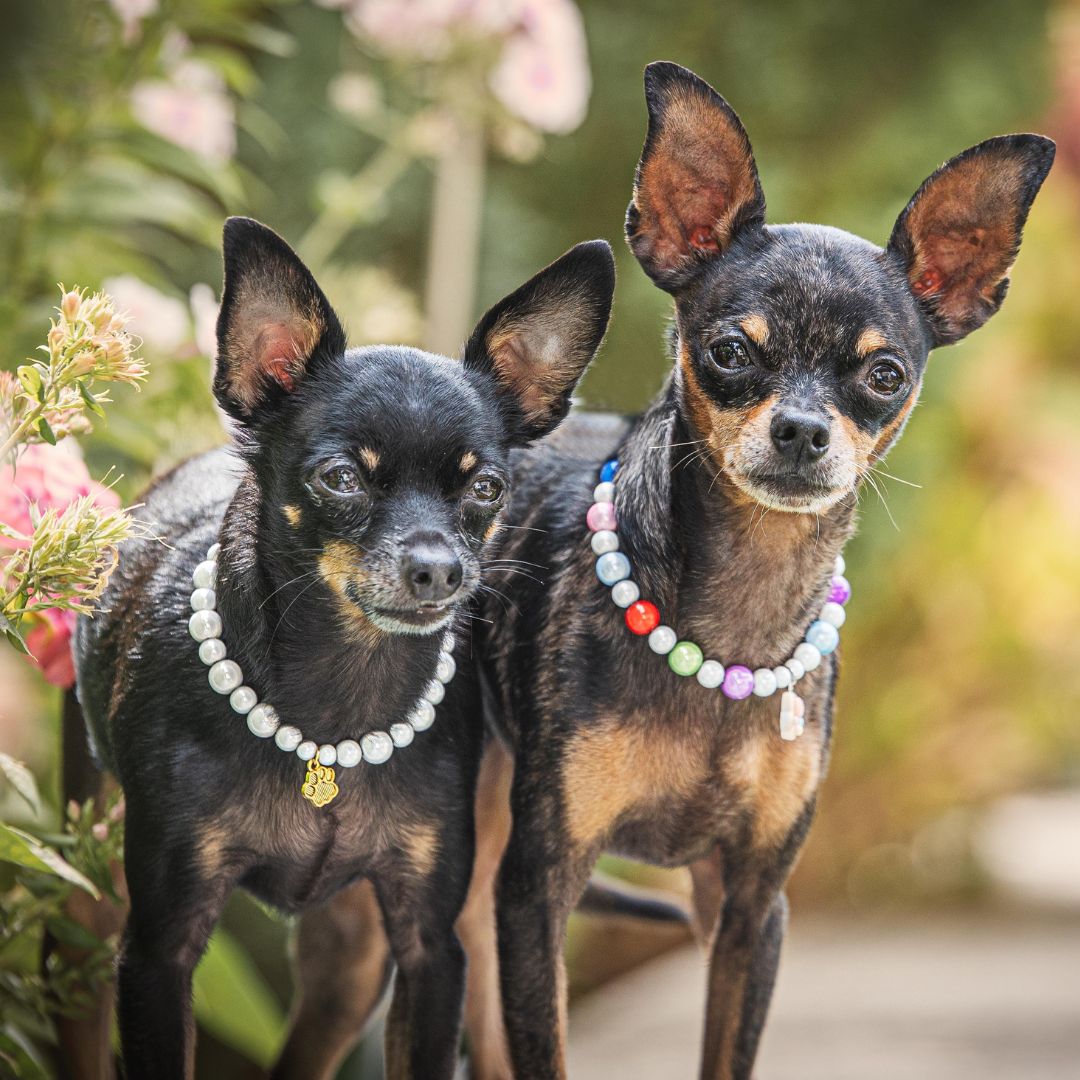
601	516
738	682
840	590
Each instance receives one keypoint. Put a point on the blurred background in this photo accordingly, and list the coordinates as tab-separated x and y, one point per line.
426	157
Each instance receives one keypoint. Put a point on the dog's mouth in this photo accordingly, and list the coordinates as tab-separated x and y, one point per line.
789	491
421	618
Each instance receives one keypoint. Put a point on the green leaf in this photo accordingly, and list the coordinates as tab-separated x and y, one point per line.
89	400
21	779
15	639
21	849
69	932
45	431
17	1057
234	1003
30	378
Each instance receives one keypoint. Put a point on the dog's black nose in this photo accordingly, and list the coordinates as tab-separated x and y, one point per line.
431	570
799	436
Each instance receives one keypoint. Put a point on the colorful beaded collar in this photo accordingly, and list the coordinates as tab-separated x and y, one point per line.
736	681
225	676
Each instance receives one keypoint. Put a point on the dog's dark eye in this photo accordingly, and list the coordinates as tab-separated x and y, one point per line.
487	489
340	479
885	379
730	354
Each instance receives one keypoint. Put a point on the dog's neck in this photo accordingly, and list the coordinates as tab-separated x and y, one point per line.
325	669
740	580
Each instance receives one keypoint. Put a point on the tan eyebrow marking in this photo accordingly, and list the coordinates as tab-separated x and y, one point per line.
756	329
468	461
369	458
870	340
292	515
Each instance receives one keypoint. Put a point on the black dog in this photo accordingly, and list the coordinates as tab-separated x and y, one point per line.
800	351
353	525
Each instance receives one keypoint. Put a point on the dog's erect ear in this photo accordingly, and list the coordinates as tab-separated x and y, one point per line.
538	341
960	233
274	318
696	185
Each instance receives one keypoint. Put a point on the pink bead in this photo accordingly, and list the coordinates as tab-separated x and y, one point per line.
738	682
601	516
840	590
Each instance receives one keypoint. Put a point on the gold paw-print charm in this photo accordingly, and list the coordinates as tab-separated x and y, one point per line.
319	787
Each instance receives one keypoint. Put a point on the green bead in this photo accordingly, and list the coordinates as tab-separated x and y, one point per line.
685	658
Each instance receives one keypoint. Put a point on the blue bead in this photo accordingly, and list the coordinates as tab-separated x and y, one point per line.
612	567
823	636
607	473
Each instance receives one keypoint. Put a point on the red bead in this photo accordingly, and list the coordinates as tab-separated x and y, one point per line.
642	617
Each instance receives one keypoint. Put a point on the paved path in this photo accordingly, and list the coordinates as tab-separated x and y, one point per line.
939	999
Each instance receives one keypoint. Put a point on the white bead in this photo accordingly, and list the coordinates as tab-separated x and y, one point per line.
423	716
349	754
203	600
205	575
662	640
445	668
211	651
204	624
764	682
833	613
604	541
613	566
327	754
604	492
792	712
840	565
448	642
377	747
402	734
624	593
435	692
796	668
783	677
225	676
307	749
215	550
263	721
288	737
710	674
809	655
243	699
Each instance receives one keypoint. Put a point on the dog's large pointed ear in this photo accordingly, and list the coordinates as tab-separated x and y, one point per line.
697	183
274	321
537	342
960	233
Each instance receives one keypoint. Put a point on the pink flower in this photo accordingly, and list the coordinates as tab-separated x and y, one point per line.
161	321
48	476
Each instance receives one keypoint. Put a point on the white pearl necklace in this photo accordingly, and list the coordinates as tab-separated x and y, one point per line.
226	677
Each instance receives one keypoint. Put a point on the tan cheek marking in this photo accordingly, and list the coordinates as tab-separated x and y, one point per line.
292	515
468	461
870	341
492	531
756	329
370	458
889	433
338	566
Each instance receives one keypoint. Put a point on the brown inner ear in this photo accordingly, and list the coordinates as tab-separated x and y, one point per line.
524	360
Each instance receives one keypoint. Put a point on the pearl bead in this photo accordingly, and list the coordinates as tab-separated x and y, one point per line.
823	636
604	492
204	624
203	600
243	699
604	541
263	721
225	676
205	575
764	682
738	682
610	468
435	692
710	674
612	567
833	613
662	640
809	655
211	651
402	734
215	550
448	642
377	747
783	677
840	566
288	738
601	516
685	658
349	754
307	750
839	590
445	668
796	668
327	754
422	716
642	616
625	592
